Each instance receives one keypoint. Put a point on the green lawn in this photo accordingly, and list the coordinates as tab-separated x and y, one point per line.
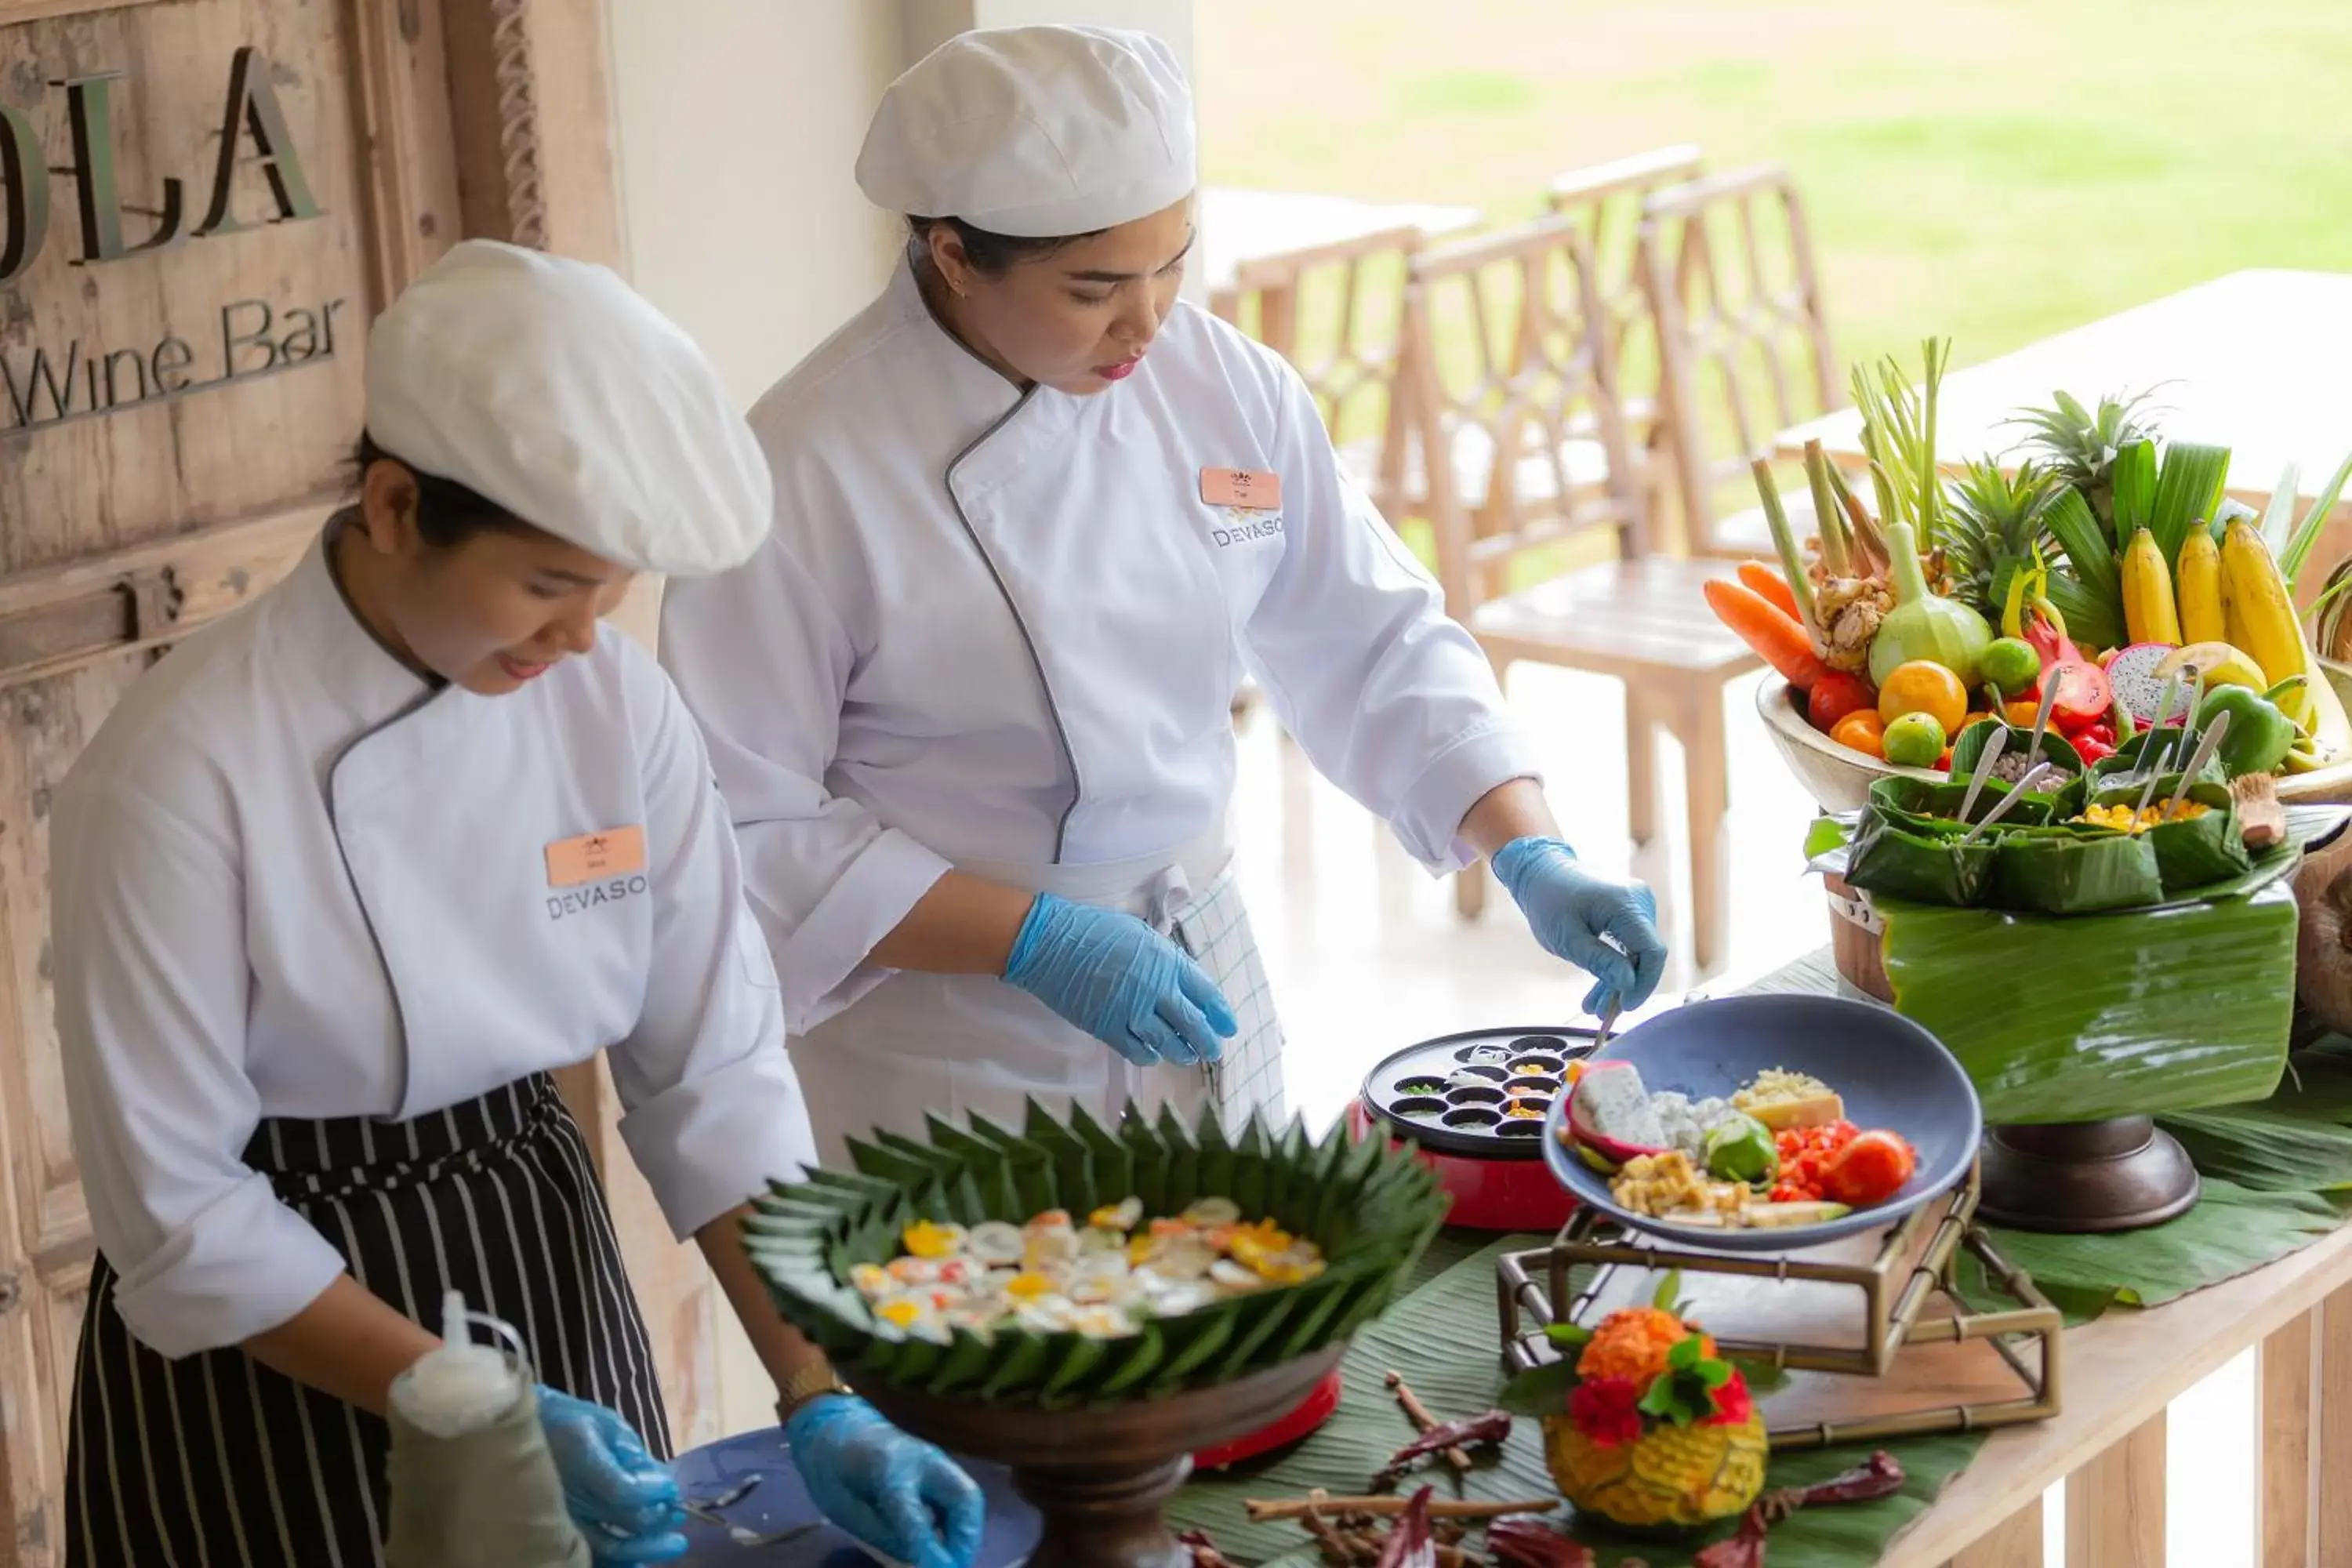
1990	170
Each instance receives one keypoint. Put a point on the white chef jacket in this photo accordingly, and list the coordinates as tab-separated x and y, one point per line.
291	879
994	626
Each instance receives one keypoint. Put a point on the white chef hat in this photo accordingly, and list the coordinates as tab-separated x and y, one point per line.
552	388
1035	132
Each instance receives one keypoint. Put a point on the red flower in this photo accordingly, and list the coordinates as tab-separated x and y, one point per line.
1604	1409
1732	1405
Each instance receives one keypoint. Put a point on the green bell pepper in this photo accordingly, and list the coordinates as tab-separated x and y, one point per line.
2260	733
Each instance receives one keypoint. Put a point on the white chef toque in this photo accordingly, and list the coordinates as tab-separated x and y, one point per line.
1039	133
552	388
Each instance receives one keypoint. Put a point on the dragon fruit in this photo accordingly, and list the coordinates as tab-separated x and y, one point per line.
1610	1118
2135	676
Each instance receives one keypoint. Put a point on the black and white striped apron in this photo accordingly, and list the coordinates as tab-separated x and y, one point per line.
215	1461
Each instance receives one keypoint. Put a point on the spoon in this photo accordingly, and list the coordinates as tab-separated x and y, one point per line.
2205	750
1985	764
2000	807
2158	752
2041	716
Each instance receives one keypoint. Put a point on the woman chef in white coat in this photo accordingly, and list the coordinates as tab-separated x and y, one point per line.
336	885
1037	518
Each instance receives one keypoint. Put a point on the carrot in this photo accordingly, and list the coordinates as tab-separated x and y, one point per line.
1768	629
1770	584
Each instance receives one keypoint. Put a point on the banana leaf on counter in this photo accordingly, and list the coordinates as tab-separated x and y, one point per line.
2173	1008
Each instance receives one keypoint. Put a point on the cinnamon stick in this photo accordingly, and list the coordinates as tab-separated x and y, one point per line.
1263	1509
1423	1421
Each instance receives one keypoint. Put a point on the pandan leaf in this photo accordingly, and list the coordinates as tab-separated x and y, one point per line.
2188	491
1020	1363
1150	1158
2135	490
1540	1390
2306	532
1111	1161
1029	1164
1193	1341
1567	1336
1138	1357
1257	1317
1669	1291
1184	1162
965	1364
989	1171
1077	1358
1213	1175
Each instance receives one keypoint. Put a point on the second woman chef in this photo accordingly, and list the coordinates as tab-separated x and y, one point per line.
1036	520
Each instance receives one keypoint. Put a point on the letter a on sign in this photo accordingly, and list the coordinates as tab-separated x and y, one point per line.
253	108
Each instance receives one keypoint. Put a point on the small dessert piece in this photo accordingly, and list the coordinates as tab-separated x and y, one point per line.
1782	1100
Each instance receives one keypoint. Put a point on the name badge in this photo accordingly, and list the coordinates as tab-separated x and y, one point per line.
592	857
1251	489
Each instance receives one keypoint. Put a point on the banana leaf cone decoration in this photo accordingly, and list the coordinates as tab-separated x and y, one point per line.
1372	1208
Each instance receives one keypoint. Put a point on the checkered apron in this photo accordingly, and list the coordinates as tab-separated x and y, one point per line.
1214	928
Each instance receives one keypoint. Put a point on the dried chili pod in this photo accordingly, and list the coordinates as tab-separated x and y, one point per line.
1525	1543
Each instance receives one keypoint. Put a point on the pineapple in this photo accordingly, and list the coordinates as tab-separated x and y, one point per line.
1675	1477
1993	525
2082	446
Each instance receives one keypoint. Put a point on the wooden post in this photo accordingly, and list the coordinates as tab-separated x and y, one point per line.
2115	1504
2284	1412
2015	1542
2331	1436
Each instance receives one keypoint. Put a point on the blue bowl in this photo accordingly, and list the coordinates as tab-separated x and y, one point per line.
1891	1073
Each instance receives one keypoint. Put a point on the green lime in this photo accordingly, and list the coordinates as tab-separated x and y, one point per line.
1915	740
2010	665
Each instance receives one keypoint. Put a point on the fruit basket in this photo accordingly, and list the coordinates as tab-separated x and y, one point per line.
2100	586
1087	1305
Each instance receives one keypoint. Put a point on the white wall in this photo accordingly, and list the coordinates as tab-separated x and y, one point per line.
739	123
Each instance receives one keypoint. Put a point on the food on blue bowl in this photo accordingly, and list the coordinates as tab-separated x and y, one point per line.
1773	1155
1781	1099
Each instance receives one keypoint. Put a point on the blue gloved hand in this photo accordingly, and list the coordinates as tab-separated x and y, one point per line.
897	1494
625	1502
1121	981
1571	911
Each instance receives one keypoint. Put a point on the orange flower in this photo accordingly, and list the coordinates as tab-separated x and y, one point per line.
1632	1344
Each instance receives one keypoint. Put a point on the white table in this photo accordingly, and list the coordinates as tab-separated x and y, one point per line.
2259	362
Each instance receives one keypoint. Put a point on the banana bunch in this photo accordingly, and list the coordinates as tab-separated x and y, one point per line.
2148	612
2258	616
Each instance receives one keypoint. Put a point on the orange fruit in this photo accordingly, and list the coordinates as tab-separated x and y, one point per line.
1922	686
1864	732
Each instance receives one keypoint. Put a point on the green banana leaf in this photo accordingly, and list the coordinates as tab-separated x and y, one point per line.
2176	1008
1932	867
2199	851
2067	871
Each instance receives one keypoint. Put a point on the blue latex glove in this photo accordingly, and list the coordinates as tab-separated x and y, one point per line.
1121	981
625	1502
900	1495
1598	923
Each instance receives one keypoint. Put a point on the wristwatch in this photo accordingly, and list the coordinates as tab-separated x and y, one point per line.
813	1381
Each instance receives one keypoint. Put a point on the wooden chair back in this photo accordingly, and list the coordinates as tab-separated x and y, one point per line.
1743	335
1610	199
1335	311
1515	404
